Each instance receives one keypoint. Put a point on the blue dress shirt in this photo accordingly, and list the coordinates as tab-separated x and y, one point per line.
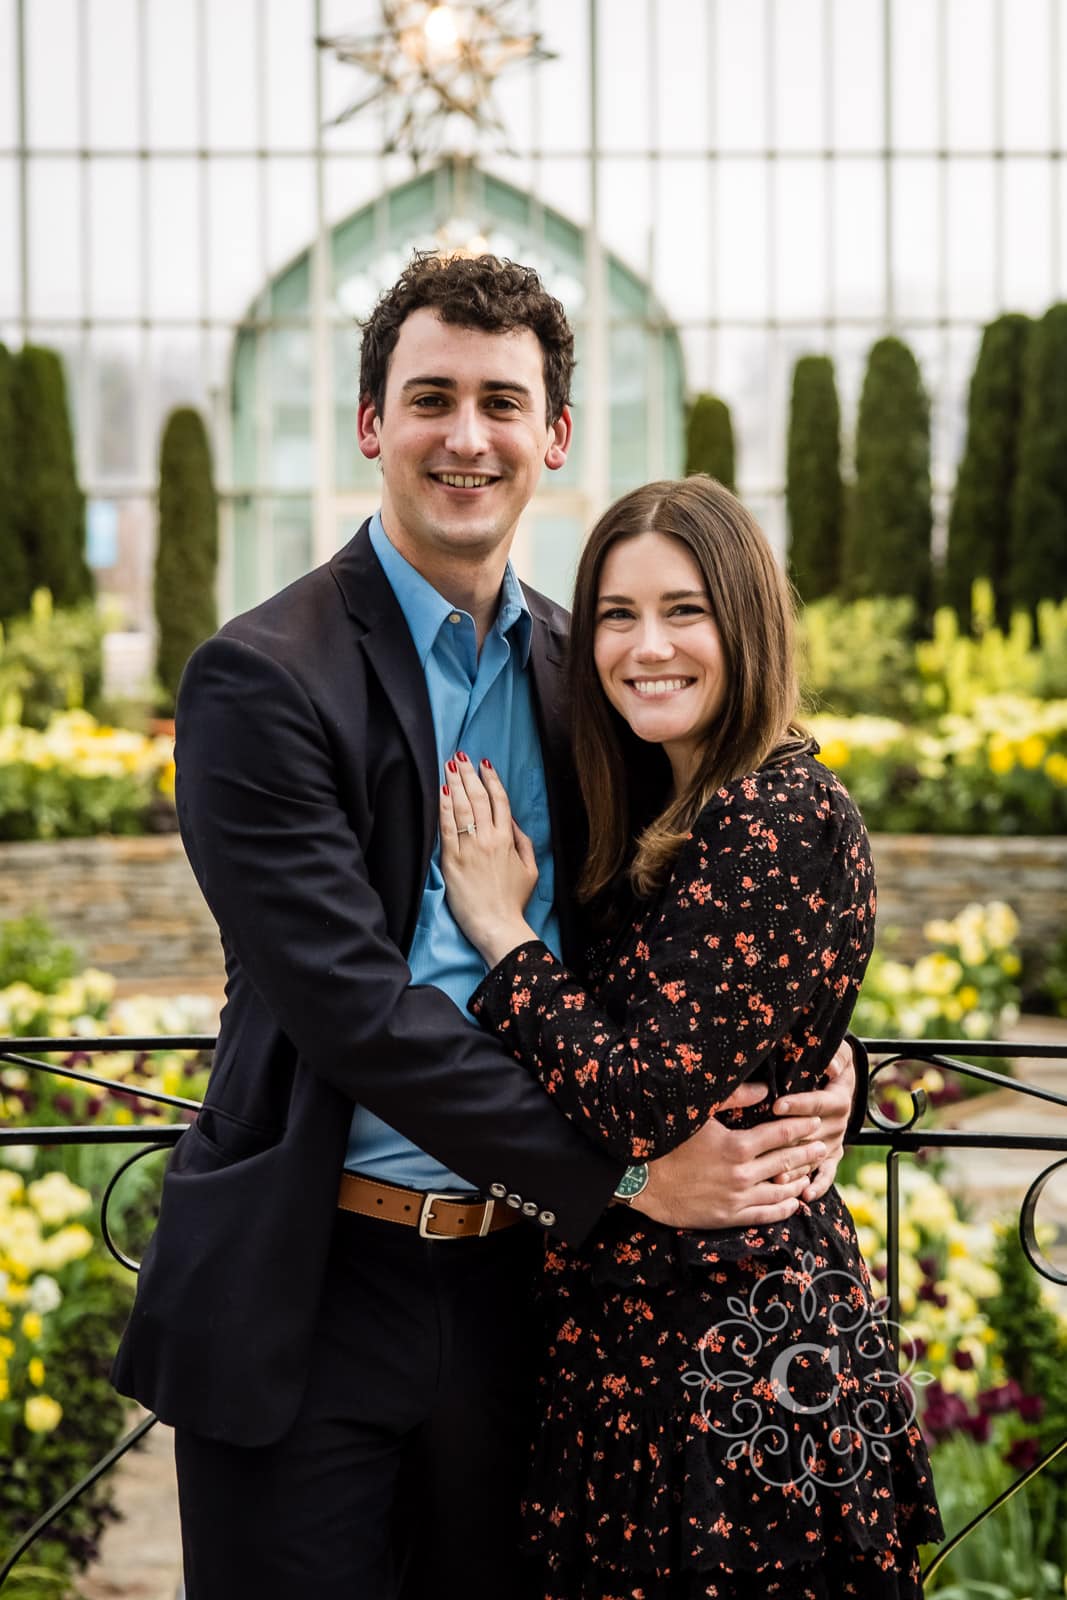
481	704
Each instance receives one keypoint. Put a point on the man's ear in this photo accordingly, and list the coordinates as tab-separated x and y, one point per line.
559	441
367	429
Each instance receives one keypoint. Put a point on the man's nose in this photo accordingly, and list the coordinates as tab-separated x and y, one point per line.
467	433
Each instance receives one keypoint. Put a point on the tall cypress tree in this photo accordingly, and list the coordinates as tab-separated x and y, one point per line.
49	505
887	544
813	489
187	550
1038	564
709	444
979	527
15	584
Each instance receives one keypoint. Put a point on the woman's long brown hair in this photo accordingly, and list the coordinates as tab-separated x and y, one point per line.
753	611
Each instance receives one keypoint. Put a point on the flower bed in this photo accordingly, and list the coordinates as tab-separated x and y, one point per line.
78	777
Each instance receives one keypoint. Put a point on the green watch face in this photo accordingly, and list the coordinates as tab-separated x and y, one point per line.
632	1182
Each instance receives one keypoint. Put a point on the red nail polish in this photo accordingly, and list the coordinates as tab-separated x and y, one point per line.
444	788
460	756
451	765
487	763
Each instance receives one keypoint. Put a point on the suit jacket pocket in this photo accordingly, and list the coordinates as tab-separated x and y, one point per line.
232	1138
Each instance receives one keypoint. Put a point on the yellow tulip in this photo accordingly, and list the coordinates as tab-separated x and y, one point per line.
42	1414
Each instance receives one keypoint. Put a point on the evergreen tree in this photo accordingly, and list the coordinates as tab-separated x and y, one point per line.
887	543
1038	563
813	491
979	525
709	445
187	550
15	584
49	505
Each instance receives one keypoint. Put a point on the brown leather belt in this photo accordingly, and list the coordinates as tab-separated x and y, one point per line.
451	1216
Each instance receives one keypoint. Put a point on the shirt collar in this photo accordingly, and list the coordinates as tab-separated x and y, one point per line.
426	611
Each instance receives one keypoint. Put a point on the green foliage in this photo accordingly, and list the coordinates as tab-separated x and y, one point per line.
1046	984
31	953
980	521
857	657
50	507
709	445
1006	1557
1034	1346
1038	566
188	547
813	490
50	661
887	542
14	568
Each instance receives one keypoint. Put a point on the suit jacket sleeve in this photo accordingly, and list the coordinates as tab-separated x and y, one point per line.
759	941
282	871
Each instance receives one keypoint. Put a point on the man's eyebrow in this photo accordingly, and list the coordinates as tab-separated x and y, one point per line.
490	386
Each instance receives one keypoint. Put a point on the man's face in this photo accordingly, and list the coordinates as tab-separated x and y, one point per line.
462	439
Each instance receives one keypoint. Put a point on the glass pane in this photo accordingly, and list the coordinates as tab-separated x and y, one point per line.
353	469
741	245
563	84
115	379
916	71
681	75
857	96
916	237
247	590
176	363
800	259
859	238
1027	81
290	465
238	268
290	82
8	75
739	85
9	239
799	105
969	67
553	545
55	285
231	83
1028	234
174	85
969	230
245	378
114	86
682	239
174	287
629	415
741	379
115	236
624	55
291	188
626	201
52	74
292	541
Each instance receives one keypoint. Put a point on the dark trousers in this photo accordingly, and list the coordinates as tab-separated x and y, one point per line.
401	1477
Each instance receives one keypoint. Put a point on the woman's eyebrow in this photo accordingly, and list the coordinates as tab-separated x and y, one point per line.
672	594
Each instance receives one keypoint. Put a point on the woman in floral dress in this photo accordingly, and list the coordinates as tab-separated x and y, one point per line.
722	1415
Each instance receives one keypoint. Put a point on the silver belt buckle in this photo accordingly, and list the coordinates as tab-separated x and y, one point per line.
426	1215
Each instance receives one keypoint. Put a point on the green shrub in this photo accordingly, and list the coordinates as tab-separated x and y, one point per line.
31	953
76	779
50	507
1038	566
50	661
188	547
887	537
813	489
979	525
709	445
857	657
15	582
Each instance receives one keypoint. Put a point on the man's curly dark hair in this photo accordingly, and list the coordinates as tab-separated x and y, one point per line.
485	292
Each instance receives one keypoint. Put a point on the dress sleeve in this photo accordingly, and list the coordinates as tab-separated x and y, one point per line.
760	939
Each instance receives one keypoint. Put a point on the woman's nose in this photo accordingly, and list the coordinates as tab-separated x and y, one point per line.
653	644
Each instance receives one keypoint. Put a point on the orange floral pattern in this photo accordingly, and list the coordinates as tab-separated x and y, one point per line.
716	1421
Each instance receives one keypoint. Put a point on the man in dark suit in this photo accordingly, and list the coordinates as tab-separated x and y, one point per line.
335	1312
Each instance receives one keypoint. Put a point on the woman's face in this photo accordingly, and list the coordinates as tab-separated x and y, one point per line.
656	646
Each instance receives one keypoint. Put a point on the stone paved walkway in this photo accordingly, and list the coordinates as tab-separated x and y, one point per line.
140	1556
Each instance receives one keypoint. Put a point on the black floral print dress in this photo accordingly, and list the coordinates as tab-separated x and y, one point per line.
721	1412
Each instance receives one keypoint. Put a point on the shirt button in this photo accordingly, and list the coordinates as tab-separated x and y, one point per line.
546	1218
498	1190
530	1208
514	1201
455	617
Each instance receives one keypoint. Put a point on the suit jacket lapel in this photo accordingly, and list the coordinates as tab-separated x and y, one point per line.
546	662
387	642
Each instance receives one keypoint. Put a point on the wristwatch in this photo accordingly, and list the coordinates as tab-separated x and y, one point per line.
632	1183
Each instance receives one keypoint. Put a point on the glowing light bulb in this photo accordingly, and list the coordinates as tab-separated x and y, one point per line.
441	32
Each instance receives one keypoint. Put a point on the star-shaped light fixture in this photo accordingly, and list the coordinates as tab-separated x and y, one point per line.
433	65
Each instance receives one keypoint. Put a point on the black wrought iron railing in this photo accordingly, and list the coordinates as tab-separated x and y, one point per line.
898	1139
